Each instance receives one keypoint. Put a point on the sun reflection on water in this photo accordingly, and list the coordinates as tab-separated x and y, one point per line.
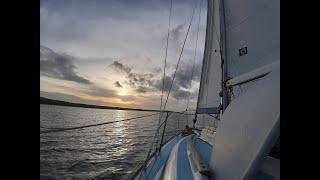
100	151
121	133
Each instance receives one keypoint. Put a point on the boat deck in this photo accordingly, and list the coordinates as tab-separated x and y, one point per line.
174	159
179	159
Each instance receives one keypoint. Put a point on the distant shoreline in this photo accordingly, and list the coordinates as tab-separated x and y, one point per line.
64	103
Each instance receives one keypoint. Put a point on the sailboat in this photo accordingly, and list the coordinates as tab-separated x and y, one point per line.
240	92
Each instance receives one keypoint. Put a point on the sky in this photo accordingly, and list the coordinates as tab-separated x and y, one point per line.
111	52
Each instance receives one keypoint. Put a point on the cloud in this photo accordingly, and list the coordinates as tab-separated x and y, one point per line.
122	30
142	89
105	93
133	79
136	79
117	84
59	66
181	94
144	83
183	76
121	67
100	92
177	32
166	84
157	70
176	90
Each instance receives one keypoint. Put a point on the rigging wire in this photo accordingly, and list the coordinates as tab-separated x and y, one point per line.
184	42
195	53
180	56
155	138
164	68
174	75
55	129
216	117
161	115
92	125
158	128
166	55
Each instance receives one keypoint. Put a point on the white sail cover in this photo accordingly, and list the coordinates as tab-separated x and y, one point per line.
250	123
210	85
248	128
252	31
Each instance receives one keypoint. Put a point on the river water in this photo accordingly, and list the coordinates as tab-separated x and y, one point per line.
102	152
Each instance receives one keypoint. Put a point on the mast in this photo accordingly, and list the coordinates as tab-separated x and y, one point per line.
225	95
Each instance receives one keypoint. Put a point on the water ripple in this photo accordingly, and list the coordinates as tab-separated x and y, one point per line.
105	152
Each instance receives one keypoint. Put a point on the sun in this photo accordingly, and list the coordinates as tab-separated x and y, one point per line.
122	93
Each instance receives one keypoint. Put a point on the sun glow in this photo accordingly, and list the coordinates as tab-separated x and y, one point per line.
122	93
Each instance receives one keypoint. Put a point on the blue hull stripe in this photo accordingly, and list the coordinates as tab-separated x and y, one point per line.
183	166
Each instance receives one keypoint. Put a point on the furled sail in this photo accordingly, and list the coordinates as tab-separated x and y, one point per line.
211	76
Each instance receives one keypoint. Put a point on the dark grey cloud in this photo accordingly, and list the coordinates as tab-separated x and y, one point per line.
181	94
136	79
133	79
183	75
166	84
142	89
144	83
157	70
59	66
176	91
119	66
117	84
177	32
